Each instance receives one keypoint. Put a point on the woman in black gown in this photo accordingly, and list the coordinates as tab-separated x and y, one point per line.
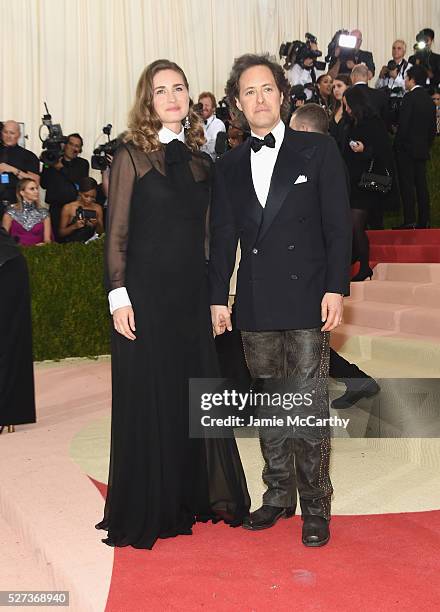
161	481
17	398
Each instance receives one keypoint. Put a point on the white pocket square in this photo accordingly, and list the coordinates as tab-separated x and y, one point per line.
301	179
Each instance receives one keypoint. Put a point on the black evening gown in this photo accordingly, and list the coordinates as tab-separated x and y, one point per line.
161	481
17	398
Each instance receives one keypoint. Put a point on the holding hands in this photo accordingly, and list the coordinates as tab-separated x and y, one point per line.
221	319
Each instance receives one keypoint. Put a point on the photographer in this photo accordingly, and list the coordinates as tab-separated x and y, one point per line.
392	75
61	180
301	64
15	163
344	59
212	124
81	219
425	57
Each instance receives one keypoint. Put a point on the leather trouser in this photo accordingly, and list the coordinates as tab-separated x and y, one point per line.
283	361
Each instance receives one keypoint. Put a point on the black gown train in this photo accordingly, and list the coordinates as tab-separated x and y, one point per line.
161	481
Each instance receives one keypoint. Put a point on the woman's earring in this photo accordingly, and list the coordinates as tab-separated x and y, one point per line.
187	124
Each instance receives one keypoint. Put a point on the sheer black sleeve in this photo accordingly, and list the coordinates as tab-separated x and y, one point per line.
122	179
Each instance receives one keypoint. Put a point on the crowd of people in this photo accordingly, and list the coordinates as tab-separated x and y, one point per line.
77	206
293	198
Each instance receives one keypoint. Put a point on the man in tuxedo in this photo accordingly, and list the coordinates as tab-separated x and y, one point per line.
283	194
414	137
377	99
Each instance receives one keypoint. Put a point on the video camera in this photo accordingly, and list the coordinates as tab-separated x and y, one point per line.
52	145
347	44
297	94
222	111
99	158
297	51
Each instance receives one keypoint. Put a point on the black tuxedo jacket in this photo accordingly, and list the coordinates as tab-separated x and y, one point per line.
292	251
417	124
377	99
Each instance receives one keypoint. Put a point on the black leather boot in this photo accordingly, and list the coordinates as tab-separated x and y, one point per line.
266	517
315	531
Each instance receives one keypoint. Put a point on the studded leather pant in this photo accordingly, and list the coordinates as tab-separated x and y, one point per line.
295	459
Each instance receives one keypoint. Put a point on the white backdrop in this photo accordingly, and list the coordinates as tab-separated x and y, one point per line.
84	56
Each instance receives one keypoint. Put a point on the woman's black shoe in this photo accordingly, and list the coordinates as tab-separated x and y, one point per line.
357	388
362	275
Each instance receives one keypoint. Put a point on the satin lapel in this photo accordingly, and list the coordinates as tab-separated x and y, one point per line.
243	187
289	165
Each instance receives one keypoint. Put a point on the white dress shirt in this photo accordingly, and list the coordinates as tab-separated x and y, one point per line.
118	298
212	127
263	163
399	81
301	76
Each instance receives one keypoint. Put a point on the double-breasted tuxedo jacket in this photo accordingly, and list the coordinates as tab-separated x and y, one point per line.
296	248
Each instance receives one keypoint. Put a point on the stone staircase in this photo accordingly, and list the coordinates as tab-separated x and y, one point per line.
392	323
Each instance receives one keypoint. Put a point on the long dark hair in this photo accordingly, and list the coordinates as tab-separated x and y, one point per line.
357	100
344	78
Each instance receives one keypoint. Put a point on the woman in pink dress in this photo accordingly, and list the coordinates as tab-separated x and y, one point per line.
25	220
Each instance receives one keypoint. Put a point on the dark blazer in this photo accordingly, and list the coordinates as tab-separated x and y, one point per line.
295	249
378	100
417	124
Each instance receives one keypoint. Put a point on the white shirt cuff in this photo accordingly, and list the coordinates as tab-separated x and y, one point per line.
118	298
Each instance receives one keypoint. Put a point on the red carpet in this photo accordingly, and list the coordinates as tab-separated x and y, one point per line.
377	562
405	246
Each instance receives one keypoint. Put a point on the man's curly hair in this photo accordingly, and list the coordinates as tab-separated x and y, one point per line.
249	60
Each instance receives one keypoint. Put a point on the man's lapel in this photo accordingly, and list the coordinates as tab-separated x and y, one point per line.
243	187
291	161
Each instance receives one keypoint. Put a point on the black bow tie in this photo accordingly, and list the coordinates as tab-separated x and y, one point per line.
268	141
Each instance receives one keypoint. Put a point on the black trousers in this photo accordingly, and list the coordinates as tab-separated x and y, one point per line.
341	368
413	188
280	359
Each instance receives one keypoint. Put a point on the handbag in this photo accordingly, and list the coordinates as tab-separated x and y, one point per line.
375	183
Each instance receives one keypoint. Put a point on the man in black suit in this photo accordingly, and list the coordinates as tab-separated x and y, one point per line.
283	194
377	98
414	137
